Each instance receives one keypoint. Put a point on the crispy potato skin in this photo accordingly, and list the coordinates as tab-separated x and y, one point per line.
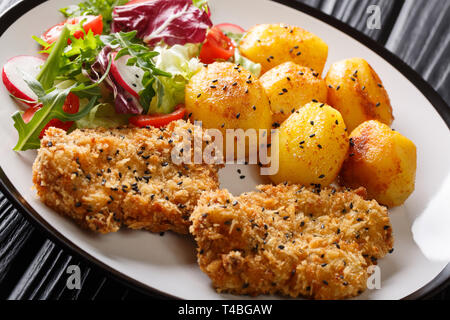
361	96
290	86
313	145
273	44
224	96
383	161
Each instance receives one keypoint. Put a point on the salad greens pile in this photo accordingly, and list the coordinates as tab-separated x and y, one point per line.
51	96
126	44
82	65
181	62
119	60
66	62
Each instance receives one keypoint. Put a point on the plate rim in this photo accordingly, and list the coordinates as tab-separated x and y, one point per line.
13	13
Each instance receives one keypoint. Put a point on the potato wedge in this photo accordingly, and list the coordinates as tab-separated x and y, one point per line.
313	144
357	92
290	86
273	44
381	160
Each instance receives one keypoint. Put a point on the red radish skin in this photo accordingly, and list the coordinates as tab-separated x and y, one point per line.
229	27
13	79
128	77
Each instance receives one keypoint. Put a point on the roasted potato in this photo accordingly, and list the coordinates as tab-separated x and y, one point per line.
273	44
358	93
225	96
313	144
381	160
290	86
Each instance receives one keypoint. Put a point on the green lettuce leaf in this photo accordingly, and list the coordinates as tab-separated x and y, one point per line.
236	37
251	66
181	62
52	107
102	115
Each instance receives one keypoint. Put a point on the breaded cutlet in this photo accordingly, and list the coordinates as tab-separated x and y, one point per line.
290	240
105	178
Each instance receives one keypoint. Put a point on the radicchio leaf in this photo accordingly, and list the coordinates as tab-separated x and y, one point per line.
174	21
124	102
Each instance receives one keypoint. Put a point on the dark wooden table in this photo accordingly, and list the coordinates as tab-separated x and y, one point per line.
33	267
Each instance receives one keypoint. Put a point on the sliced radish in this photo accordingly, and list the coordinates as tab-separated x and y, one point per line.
129	77
229	27
13	78
133	2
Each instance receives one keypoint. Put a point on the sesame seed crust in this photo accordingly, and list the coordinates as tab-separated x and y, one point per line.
329	251
83	177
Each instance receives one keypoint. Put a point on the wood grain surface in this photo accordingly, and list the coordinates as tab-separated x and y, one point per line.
33	267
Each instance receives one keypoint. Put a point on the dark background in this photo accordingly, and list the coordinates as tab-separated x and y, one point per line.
33	267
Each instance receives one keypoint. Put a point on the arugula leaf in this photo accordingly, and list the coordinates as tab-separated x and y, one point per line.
50	69
52	108
142	57
146	95
29	132
88	89
47	46
104	8
69	61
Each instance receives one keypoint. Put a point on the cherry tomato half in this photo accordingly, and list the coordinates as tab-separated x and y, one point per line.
158	120
71	105
217	46
94	23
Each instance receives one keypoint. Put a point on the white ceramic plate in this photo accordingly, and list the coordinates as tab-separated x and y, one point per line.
168	264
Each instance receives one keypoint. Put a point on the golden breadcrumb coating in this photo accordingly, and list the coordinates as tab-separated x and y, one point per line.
290	240
104	178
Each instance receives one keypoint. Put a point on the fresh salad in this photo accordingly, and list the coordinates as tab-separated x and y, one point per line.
116	62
